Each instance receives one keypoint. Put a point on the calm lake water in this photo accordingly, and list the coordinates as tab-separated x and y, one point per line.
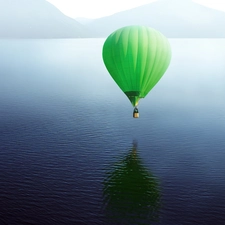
71	153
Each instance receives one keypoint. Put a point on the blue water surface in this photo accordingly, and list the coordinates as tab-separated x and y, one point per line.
67	136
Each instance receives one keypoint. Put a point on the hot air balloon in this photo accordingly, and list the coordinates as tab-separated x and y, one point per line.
136	57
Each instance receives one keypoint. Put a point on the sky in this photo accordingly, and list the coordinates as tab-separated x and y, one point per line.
99	8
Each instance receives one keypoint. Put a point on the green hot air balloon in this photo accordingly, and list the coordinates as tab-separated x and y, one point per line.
136	57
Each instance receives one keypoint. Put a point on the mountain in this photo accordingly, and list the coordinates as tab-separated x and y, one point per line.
174	18
37	19
83	20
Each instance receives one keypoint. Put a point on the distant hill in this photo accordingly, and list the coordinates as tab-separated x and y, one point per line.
174	18
37	19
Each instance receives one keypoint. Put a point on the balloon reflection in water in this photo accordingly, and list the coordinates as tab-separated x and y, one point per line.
131	192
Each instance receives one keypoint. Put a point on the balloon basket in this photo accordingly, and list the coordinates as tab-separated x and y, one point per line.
135	113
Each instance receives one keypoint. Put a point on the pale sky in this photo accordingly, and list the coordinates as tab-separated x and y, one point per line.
100	8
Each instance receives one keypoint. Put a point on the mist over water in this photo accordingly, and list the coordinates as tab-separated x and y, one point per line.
71	152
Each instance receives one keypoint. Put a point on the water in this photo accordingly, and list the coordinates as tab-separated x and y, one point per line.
71	153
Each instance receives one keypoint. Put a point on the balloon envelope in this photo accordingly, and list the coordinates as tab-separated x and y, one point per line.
136	57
